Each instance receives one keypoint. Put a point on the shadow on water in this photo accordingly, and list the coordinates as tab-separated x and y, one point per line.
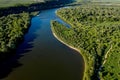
9	61
8	64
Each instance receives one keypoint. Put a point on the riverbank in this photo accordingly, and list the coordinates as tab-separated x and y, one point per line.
86	67
87	33
88	62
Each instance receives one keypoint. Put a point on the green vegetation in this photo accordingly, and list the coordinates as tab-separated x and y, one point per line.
12	29
105	0
8	3
98	0
95	31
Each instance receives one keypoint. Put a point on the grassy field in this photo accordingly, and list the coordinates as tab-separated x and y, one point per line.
99	0
105	0
7	3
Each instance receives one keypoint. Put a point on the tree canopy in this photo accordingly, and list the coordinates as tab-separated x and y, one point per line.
95	31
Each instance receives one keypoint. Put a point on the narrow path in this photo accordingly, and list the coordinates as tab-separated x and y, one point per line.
106	56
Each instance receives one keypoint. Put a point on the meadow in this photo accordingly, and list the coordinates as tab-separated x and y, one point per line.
8	3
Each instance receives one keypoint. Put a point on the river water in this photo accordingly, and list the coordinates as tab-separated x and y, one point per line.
42	57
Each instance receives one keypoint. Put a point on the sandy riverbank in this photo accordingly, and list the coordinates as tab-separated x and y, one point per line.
84	74
66	43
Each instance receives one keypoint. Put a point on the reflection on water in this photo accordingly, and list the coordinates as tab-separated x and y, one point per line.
44	57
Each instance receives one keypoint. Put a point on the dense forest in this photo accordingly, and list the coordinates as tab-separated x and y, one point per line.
12	29
95	31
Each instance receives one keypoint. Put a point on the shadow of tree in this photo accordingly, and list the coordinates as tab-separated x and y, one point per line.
9	61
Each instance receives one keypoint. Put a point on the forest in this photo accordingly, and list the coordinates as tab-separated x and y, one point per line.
95	31
12	29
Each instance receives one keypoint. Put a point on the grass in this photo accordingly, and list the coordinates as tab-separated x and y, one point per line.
8	3
105	0
98	0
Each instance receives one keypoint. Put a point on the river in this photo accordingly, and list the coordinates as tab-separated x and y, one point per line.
41	56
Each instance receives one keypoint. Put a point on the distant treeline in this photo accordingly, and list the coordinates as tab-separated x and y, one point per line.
33	7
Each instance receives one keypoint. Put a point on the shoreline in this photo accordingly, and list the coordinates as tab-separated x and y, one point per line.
85	74
65	43
84	59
